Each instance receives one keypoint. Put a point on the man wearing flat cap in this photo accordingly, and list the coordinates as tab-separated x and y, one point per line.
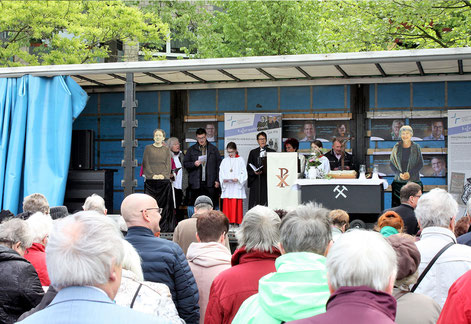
185	232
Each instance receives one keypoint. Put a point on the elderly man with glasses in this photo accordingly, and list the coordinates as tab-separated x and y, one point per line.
163	261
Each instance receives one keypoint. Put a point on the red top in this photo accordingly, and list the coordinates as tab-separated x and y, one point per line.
36	255
234	285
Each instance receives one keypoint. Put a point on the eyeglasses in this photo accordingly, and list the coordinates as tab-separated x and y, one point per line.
230	152
159	209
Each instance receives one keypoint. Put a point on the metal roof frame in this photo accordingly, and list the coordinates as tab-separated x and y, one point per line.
428	65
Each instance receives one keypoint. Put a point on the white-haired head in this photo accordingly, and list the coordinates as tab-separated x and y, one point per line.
15	234
83	250
132	260
362	258
468	206
436	208
260	229
307	228
95	203
40	226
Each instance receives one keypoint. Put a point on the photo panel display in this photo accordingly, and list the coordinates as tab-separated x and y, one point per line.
308	130
429	129
434	166
386	129
190	128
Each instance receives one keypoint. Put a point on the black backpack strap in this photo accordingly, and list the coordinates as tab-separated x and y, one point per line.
135	296
422	275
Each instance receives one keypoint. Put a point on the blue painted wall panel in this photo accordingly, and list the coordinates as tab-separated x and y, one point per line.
295	98
165	124
328	97
92	105
202	100
111	152
231	100
147	101
429	94
146	125
393	95
111	127
111	103
459	94
266	97
165	101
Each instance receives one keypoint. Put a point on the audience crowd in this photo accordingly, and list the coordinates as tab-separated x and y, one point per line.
306	267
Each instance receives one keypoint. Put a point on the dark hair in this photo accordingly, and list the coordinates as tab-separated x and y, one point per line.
262	134
317	142
293	142
335	139
409	189
462	226
231	145
201	131
211	225
281	212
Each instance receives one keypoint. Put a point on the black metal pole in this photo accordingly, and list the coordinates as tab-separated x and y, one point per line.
129	143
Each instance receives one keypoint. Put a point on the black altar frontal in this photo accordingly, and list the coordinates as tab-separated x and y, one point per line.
352	195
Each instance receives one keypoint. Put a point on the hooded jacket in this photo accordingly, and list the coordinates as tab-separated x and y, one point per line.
20	286
298	289
233	286
206	261
356	305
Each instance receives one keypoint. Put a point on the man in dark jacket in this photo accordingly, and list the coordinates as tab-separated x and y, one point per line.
20	288
338	158
163	261
361	269
410	194
202	163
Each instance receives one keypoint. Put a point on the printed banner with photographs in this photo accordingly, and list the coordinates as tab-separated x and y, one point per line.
425	129
434	165
242	129
308	130
459	144
211	128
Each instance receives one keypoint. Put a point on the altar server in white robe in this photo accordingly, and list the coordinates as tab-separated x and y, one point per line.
233	176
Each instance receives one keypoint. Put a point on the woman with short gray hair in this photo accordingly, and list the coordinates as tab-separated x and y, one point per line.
20	288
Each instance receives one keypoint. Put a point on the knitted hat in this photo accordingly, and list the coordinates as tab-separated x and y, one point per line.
408	256
387	231
203	200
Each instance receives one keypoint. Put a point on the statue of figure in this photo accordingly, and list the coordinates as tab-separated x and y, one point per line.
157	163
157	169
406	161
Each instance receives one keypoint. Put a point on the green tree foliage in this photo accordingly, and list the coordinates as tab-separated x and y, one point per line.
68	32
379	25
253	28
183	19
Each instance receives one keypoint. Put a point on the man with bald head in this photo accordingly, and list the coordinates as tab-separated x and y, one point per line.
163	261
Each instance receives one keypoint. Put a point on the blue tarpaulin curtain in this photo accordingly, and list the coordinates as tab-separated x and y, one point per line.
36	115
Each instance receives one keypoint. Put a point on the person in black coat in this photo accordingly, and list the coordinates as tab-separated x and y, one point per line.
202	163
410	194
20	288
257	180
